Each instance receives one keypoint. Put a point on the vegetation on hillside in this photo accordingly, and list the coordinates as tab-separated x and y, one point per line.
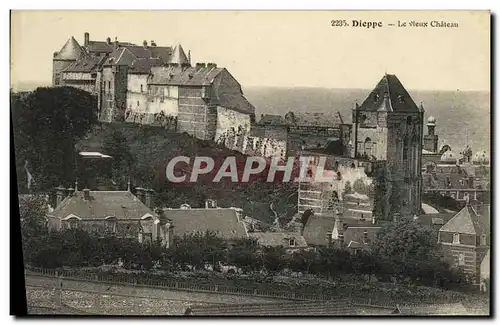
47	123
141	154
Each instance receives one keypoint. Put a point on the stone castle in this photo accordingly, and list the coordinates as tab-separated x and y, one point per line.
151	84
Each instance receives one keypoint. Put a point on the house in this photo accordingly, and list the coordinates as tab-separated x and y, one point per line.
466	238
110	213
288	240
318	230
226	223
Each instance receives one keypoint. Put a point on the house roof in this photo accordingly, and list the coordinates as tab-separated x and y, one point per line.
143	66
389	95
70	51
86	64
316	229
120	56
435	221
271	119
102	204
278	238
468	221
222	221
289	308
234	101
183	76
432	310
355	235
314	119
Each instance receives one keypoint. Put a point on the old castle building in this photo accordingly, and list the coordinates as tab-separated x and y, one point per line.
150	84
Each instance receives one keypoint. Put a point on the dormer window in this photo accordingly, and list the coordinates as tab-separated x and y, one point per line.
291	242
483	240
111	225
73	224
401	99
376	98
456	238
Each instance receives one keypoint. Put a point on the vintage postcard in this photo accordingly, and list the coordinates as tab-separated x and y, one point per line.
252	163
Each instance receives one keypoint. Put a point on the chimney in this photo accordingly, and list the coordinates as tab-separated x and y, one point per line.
341	240
145	44
86	38
108	40
86	194
211	65
148	193
139	192
189	57
117	44
71	191
153	43
60	194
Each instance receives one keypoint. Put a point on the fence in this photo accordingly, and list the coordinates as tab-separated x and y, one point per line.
130	279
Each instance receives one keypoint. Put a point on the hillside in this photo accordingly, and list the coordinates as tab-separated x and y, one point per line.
150	149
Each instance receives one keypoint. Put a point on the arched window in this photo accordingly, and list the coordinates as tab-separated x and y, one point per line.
483	240
111	225
368	147
461	259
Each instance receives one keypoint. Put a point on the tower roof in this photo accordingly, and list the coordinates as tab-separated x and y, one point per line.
70	51
179	56
389	94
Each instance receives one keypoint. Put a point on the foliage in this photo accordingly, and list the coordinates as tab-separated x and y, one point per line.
347	189
406	240
46	125
440	201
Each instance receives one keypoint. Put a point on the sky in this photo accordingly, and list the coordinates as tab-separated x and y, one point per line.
277	48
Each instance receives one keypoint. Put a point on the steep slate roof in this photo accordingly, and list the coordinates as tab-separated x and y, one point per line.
120	56
70	51
180	76
143	66
390	95
235	101
289	308
102	204
314	119
278	239
271	119
431	310
355	236
223	221
316	229
468	221
85	64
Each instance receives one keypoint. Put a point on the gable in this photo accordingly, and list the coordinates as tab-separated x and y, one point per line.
461	223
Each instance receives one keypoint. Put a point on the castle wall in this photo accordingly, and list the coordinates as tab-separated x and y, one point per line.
57	67
107	94
163	98
81	80
192	116
228	119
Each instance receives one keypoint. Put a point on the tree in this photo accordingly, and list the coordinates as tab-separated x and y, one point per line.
347	189
46	125
117	146
244	254
303	260
359	186
406	240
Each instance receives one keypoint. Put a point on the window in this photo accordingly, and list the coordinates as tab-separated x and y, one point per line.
405	149
408	120
137	103
461	259
142	90
109	85
111	226
291	242
368	147
483	240
72	224
456	238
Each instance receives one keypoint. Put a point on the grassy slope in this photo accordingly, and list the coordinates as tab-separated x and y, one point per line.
153	147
